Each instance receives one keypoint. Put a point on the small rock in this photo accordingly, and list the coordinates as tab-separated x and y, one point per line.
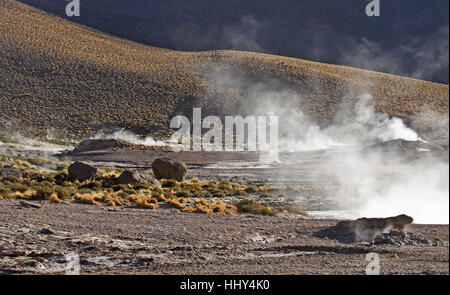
29	204
46	231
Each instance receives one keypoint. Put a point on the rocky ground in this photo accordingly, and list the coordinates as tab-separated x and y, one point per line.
36	239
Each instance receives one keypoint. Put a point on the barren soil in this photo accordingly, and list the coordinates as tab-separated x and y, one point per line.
166	241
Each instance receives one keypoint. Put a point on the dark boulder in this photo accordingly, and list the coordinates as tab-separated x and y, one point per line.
133	177
81	171
169	169
366	229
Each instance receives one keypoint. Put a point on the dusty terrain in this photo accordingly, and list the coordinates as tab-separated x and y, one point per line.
166	241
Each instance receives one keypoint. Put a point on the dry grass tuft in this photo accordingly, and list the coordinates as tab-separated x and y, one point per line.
252	206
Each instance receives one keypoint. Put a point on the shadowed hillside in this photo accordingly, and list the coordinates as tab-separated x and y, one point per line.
409	38
57	74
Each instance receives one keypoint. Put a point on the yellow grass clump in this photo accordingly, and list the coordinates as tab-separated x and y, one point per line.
144	202
86	198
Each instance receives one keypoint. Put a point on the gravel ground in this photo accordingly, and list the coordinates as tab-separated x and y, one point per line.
165	241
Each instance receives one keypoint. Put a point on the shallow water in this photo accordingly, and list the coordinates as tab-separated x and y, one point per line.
306	169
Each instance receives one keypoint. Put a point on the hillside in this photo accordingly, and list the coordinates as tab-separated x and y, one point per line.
409	38
57	74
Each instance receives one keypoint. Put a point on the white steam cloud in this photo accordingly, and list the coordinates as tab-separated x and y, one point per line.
299	133
372	182
131	138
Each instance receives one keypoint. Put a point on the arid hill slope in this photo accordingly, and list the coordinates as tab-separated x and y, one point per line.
57	74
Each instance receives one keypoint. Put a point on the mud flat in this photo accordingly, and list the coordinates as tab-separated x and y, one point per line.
167	241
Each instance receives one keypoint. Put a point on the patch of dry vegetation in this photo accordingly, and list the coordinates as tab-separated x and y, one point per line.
55	73
192	196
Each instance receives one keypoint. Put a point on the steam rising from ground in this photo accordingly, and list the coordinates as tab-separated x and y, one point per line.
372	182
131	137
19	141
362	125
377	184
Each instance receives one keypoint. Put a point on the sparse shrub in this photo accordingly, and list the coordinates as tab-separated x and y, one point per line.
4	190
119	187
267	195
18	187
43	192
88	199
141	186
219	195
252	206
94	185
130	191
293	209
170	183
144	203
225	185
211	187
54	199
85	191
61	167
238	192
251	189
38	162
10	178
184	194
60	178
65	192
123	194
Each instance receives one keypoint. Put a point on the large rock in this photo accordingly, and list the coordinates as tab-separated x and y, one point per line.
366	229
133	177
169	169
81	171
101	144
11	171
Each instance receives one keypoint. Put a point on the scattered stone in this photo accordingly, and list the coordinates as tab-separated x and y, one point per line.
399	238
81	171
101	144
46	231
29	204
169	169
133	177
